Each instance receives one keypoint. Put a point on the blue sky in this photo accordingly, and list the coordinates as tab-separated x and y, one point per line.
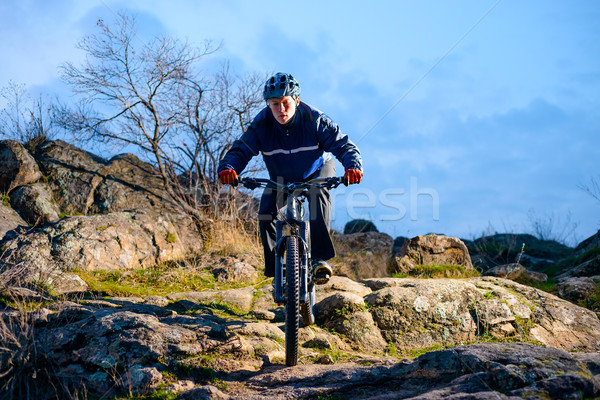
470	115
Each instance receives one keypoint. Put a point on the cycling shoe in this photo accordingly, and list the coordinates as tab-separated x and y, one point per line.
321	272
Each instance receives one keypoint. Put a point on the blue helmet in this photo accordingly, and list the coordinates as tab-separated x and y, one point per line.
280	85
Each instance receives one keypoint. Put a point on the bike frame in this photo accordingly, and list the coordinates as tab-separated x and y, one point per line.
292	217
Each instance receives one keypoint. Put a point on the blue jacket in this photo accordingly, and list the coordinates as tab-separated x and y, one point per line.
292	154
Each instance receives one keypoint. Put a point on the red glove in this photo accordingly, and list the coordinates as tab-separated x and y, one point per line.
228	177
352	176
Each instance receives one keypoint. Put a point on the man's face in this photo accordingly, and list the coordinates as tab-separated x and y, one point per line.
283	108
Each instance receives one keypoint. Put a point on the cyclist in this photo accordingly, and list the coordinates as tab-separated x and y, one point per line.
296	142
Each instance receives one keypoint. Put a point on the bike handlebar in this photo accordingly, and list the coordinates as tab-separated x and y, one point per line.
255	183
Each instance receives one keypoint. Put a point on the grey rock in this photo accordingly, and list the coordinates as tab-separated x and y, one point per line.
17	166
10	222
35	204
516	272
432	249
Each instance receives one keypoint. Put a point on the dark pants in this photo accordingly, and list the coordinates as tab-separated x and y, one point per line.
319	207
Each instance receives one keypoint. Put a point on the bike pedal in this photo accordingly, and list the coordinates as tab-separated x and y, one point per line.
321	279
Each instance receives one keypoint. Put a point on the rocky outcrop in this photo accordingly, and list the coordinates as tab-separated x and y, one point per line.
432	249
228	341
120	217
193	342
115	241
508	248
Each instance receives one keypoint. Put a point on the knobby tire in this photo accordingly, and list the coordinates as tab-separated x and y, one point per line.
292	307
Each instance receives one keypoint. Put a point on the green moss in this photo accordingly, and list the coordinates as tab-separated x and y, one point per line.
6	199
159	279
428	271
419	352
171	237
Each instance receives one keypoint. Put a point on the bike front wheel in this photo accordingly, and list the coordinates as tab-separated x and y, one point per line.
292	305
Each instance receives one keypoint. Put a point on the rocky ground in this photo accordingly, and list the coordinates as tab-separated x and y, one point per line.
437	330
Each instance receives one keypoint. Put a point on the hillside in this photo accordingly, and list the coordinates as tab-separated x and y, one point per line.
109	291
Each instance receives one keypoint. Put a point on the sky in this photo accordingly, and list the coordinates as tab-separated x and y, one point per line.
472	117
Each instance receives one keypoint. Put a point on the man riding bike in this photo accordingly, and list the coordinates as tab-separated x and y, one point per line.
296	142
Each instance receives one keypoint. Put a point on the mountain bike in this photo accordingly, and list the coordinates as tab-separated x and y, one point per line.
294	286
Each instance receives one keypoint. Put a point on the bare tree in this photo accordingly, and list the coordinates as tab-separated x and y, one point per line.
24	119
593	188
215	120
151	96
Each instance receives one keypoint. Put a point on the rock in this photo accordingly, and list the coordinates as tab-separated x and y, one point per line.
206	392
241	298
106	242
17	166
577	288
84	344
230	269
362	255
35	204
373	242
518	273
72	174
341	284
398	244
590	267
28	260
423	313
432	249
10	221
588	244
507	248
339	304
482	371
83	183
129	181
359	226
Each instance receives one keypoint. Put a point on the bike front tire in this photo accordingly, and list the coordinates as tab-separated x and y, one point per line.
292	307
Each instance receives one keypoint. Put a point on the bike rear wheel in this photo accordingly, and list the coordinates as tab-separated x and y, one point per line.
292	305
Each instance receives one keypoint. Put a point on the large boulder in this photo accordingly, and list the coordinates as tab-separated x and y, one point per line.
17	166
84	183
359	226
35	204
424	313
72	174
576	289
362	255
432	249
127	184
